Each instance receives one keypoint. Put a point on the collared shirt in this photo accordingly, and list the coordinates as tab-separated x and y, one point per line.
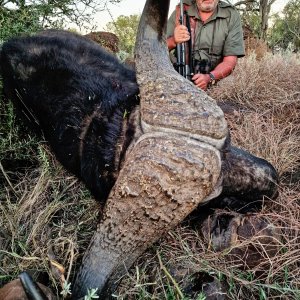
221	35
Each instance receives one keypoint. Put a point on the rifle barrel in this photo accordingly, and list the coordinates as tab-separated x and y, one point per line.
183	67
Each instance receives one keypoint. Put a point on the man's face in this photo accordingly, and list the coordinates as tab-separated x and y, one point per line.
207	5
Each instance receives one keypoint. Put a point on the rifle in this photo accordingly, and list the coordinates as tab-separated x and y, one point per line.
185	69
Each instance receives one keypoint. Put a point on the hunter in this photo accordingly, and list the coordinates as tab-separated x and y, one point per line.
216	38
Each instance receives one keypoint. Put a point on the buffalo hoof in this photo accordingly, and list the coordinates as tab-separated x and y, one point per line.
249	239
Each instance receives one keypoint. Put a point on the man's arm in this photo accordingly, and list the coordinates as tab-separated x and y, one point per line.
233	48
222	70
176	33
171	43
181	35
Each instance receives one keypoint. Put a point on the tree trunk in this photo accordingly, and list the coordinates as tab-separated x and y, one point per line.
264	11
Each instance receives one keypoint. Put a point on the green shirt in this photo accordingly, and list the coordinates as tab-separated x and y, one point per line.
221	35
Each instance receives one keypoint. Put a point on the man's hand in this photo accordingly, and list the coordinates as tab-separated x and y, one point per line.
181	34
201	80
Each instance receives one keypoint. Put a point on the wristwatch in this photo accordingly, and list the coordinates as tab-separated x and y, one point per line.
212	79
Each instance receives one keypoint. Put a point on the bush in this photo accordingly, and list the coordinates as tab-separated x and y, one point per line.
16	22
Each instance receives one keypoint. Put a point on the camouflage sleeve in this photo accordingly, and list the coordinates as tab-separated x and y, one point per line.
234	43
171	24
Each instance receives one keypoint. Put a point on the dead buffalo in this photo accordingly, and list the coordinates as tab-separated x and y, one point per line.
153	163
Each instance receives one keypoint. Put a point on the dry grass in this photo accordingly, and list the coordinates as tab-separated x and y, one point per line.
47	215
46	212
261	134
269	84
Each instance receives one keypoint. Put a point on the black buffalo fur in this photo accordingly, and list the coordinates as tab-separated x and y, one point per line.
78	94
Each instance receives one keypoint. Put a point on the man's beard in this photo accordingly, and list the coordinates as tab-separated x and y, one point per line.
207	7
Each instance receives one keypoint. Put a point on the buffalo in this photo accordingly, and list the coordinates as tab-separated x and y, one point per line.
147	143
